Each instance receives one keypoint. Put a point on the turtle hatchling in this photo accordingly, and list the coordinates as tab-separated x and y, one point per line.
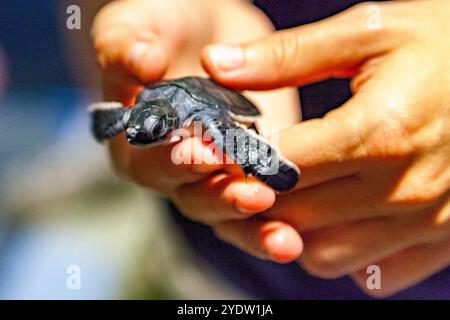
165	106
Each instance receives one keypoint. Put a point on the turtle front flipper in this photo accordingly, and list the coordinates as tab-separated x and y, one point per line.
107	119
254	155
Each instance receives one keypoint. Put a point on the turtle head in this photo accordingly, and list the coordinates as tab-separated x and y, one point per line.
150	122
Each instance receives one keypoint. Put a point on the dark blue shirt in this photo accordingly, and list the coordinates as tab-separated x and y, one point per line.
32	42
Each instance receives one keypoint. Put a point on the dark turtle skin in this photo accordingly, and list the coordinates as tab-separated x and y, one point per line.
164	106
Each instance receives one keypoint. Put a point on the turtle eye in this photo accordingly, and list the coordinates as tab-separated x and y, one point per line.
154	126
159	128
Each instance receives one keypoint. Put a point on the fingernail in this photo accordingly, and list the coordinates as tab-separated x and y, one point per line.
226	58
137	53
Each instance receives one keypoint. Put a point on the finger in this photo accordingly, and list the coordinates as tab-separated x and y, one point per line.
128	50
343	249
123	50
272	240
222	197
164	167
329	48
407	268
339	201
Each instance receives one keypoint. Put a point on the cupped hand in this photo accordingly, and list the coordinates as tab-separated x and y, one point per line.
375	179
138	42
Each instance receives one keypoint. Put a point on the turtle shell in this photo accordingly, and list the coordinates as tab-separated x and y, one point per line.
208	92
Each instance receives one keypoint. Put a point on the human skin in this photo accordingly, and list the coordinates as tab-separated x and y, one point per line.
375	172
167	39
375	179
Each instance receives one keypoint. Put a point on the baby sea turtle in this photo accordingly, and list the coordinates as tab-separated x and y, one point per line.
164	106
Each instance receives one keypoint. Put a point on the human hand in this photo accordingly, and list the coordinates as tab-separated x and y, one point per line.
375	172
138	42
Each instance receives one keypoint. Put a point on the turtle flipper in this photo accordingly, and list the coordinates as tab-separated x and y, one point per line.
107	119
254	155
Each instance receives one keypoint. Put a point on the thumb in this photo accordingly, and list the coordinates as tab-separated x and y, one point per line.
329	48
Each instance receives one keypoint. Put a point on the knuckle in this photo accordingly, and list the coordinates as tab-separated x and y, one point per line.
370	17
388	138
361	9
283	50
